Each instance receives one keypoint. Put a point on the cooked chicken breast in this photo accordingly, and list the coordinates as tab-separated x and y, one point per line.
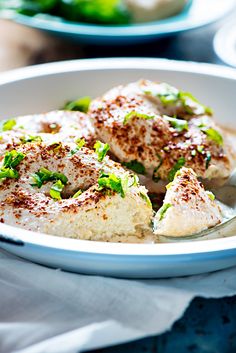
187	207
65	190
154	129
55	126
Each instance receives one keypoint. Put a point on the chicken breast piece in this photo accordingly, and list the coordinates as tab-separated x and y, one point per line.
55	126
155	128
187	208
65	191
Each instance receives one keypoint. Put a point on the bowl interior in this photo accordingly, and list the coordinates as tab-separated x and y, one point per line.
46	87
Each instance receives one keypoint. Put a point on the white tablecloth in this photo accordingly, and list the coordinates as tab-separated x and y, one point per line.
44	310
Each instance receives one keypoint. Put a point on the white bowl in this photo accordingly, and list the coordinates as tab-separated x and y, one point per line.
45	87
225	43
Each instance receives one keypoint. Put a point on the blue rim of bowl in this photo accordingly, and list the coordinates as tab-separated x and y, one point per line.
181	22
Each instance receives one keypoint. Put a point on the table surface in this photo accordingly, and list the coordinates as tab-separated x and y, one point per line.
209	325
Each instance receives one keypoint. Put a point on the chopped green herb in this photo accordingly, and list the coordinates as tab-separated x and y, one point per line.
6	125
210	195
8	173
81	104
134	114
77	194
10	161
166	148
125	183
213	135
193	153
101	149
45	175
133	181
155	175
59	176
208	159
112	182
135	166
179	124
145	198
169	95
200	149
179	164
30	138
168	186
55	146
192	105
56	189
80	143
163	209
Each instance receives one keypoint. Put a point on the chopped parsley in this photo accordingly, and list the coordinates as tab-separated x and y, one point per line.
113	182
155	175
163	209
45	175
30	138
101	149
8	173
56	189
11	160
135	166
145	198
213	135
81	104
168	186
179	164
192	105
208	159
134	114
133	181
200	149
178	124
170	95
80	143
210	195
7	125
77	194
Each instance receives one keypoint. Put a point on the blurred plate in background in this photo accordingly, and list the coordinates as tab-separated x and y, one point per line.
225	43
196	14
